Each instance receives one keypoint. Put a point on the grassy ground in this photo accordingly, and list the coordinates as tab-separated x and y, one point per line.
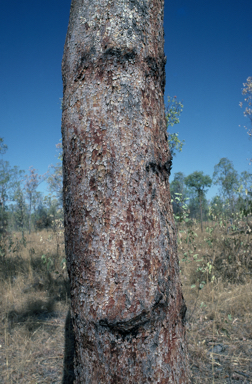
216	268
34	302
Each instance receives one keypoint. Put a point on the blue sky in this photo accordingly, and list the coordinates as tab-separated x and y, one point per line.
208	44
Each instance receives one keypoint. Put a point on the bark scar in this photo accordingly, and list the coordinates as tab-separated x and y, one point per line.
122	55
159	168
156	69
183	310
131	327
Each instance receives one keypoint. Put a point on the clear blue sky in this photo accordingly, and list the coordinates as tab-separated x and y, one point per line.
208	45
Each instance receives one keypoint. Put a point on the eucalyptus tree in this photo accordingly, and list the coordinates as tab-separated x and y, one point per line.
32	181
10	178
21	211
227	178
199	182
127	306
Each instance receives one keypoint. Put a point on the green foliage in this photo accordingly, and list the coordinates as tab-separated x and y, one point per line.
175	144
247	93
173	111
199	182
182	213
246	208
47	261
178	195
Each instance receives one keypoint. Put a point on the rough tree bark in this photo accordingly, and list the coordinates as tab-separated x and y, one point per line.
126	303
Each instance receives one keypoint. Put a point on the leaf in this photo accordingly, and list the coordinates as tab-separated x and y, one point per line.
43	258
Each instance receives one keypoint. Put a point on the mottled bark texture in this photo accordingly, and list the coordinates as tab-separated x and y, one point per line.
127	307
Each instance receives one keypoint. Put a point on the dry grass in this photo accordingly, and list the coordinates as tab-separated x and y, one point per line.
33	306
217	285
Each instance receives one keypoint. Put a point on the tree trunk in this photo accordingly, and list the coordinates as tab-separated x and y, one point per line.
127	307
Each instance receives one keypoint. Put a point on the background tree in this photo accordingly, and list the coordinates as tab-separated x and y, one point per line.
32	180
197	207
246	182
244	202
3	147
216	208
227	178
179	194
55	178
20	211
40	217
5	183
173	111
199	182
10	179
127	306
